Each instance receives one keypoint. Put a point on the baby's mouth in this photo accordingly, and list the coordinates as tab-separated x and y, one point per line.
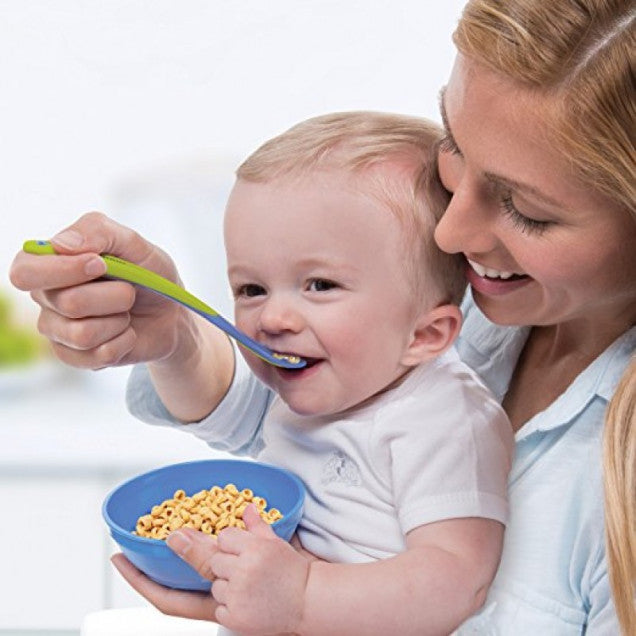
294	359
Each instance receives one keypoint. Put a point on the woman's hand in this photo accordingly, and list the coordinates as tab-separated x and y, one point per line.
99	323
198	605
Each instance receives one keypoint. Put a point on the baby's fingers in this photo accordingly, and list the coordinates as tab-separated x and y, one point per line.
196	548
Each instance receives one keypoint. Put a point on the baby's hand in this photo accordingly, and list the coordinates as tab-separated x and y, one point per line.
260	579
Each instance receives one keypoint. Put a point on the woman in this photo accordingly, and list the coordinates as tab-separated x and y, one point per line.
539	158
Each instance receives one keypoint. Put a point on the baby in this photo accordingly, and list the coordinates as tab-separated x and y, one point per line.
404	453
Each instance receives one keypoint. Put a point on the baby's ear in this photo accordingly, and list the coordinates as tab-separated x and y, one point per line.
435	331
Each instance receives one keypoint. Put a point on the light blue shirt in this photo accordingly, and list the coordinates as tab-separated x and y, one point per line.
553	576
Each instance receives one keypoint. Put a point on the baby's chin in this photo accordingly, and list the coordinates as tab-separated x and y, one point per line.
306	408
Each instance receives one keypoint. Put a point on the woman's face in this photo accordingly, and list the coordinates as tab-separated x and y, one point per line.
542	247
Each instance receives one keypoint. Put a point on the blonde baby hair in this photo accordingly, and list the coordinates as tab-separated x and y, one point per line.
363	143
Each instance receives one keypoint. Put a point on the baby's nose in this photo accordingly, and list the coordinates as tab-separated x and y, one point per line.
278	315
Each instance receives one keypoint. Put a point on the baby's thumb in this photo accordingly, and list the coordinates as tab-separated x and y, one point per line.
255	524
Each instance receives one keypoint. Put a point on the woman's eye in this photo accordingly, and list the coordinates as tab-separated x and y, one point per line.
249	291
447	144
519	220
321	285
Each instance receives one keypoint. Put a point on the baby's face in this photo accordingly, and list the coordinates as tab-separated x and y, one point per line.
318	270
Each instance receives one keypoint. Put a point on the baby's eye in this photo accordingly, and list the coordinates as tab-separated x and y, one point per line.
321	285
249	291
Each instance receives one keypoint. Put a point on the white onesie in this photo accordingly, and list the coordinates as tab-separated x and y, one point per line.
438	446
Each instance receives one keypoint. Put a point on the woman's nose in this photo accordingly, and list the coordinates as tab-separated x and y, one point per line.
279	315
467	225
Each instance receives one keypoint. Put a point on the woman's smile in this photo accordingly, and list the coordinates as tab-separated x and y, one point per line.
492	282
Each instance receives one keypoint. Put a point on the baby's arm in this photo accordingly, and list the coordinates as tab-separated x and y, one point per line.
431	588
265	586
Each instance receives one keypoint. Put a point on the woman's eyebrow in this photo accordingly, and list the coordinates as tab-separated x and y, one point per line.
518	186
511	184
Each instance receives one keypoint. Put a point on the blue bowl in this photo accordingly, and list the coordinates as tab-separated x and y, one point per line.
135	497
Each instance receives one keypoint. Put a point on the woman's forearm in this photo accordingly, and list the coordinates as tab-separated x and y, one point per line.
194	378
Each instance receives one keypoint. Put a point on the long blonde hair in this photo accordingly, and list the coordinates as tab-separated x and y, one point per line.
581	55
619	457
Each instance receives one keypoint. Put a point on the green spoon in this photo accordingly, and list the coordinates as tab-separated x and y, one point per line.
124	270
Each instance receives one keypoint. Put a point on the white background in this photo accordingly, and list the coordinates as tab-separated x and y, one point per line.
143	108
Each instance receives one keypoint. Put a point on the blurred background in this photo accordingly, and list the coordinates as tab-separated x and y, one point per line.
143	109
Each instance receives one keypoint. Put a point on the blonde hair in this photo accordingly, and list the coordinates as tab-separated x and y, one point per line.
619	458
362	142
580	53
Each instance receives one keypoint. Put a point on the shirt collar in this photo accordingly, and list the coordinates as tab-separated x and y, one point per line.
498	351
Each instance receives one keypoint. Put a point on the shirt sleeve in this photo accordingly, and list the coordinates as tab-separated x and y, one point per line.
451	453
601	619
234	426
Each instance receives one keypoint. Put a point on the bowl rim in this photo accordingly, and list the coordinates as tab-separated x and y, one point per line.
157	542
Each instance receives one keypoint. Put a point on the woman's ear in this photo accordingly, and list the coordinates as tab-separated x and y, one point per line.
435	331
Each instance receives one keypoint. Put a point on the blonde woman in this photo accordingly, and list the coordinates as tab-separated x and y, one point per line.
539	159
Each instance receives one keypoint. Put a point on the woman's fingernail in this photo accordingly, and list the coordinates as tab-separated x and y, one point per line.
95	267
178	543
69	239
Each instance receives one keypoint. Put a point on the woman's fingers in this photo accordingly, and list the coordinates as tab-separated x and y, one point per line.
199	605
107	354
77	248
31	272
99	298
82	334
98	233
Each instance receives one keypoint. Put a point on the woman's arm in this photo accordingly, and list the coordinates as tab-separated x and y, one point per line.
94	323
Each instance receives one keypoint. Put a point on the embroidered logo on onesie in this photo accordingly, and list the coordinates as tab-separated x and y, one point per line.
340	467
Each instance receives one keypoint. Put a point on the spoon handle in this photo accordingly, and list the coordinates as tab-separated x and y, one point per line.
125	270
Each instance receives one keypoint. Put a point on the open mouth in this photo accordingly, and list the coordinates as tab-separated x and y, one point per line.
494	274
294	359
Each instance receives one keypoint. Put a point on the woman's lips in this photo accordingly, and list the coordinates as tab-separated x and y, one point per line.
495	286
